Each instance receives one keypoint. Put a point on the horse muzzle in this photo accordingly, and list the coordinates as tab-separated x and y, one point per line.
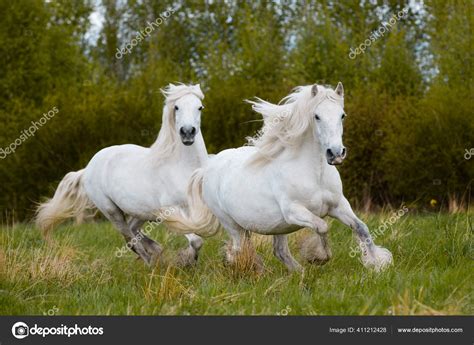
336	156
187	135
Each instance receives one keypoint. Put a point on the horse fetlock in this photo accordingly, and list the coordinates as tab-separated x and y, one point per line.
294	266
230	255
151	247
287	260
147	258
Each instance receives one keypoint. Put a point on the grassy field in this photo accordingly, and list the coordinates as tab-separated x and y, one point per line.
79	274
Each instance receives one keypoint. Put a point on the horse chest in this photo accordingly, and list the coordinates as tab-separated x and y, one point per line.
312	194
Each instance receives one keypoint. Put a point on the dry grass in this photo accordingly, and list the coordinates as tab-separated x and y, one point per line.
51	263
165	287
247	262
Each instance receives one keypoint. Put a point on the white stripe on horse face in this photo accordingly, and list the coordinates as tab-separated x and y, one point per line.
328	118
188	113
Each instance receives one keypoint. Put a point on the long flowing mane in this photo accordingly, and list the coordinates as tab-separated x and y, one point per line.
167	140
286	122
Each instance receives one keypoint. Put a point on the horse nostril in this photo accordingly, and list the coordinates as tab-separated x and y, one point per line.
181	131
343	152
193	130
329	153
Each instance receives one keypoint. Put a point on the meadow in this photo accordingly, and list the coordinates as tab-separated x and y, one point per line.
78	273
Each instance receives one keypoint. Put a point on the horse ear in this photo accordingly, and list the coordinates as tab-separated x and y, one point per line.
314	90
198	88
339	89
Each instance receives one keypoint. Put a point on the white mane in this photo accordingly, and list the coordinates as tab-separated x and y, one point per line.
286	122
165	144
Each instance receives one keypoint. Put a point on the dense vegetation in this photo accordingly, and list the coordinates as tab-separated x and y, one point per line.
408	97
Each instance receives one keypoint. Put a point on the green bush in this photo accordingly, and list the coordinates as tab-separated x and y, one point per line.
408	97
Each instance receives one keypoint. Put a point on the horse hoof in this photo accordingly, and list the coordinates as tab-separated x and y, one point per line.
379	260
187	257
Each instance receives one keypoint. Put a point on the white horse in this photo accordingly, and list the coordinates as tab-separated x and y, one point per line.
285	180
129	184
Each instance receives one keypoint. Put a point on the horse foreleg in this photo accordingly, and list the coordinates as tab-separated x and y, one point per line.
372	256
314	249
282	252
116	216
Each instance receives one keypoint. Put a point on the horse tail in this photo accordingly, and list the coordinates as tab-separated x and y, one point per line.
69	201
198	219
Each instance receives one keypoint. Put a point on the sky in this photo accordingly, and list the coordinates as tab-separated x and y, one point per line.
96	19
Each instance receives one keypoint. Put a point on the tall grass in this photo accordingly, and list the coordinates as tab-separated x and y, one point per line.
79	274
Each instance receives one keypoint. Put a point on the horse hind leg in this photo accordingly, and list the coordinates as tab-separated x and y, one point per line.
117	218
240	252
152	248
282	252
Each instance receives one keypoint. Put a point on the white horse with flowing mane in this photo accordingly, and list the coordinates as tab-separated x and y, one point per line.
129	184
284	181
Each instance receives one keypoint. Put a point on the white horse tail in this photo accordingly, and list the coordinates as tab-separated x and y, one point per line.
199	219
69	201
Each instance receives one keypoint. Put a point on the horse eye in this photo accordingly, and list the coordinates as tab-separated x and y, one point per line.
317	117
176	107
201	108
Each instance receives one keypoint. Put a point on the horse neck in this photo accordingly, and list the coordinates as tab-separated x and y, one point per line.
308	153
192	156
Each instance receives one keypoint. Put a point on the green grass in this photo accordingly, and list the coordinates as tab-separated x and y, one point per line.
79	274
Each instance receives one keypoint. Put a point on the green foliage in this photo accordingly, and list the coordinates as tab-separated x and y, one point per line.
408	97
